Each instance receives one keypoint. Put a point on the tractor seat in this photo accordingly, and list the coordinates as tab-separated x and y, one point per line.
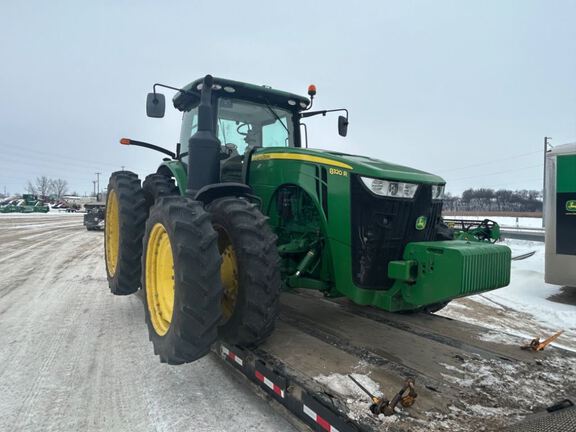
231	169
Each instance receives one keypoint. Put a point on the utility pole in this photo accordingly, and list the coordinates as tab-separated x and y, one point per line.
97	185
546	139
94	182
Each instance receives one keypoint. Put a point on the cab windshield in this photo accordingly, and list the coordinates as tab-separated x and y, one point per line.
244	123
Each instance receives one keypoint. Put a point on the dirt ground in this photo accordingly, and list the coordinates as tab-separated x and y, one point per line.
76	358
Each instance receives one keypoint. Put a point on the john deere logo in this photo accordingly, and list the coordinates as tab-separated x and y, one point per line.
571	205
421	223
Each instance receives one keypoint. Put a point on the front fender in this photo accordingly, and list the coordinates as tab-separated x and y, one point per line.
176	169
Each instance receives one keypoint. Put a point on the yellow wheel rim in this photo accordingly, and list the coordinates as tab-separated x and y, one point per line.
159	279
228	274
112	232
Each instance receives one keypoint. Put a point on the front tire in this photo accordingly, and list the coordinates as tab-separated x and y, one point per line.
126	213
181	280
250	271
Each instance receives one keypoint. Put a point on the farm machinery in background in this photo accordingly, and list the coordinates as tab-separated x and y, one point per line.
27	204
95	216
472	230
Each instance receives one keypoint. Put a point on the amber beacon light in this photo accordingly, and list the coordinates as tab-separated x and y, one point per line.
311	90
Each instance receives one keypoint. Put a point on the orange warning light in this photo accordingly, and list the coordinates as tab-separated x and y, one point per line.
311	90
125	141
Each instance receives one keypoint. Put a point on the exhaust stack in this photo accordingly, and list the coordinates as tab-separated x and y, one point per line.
204	146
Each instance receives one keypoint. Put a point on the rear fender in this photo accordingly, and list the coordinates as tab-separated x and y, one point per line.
213	192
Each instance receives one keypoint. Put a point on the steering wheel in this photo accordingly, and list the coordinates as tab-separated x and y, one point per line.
251	137
248	128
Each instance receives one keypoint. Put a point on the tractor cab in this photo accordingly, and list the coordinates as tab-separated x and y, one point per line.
246	117
240	118
245	114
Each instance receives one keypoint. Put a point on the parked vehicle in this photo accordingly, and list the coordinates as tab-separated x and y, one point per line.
95	216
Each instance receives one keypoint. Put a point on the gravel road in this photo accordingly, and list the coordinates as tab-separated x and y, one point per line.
74	357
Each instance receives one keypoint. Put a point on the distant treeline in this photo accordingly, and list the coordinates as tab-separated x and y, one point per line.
495	200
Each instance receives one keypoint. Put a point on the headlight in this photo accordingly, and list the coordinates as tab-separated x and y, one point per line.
437	192
390	188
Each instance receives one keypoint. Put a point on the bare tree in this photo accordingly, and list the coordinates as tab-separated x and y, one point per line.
41	186
59	187
30	188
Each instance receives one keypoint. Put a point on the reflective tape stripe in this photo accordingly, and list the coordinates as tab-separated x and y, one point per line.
276	389
322	422
227	353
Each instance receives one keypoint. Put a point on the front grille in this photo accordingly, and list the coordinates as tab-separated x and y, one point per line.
381	228
487	270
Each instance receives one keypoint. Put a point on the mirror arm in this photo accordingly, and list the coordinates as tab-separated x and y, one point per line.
149	146
168	87
323	112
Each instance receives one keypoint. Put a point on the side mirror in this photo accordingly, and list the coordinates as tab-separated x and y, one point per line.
155	105
342	126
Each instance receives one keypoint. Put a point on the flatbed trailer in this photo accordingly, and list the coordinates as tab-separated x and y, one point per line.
467	377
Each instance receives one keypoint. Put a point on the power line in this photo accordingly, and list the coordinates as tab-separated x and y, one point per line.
496	173
503	185
26	154
492	161
9	160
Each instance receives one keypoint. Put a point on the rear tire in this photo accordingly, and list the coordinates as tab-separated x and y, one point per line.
181	280
250	271
126	213
156	186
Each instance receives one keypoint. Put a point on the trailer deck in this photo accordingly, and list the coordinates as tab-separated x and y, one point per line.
467	377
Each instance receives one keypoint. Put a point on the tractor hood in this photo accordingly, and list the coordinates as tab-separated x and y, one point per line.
360	165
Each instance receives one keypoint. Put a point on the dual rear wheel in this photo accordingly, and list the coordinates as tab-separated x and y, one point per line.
206	272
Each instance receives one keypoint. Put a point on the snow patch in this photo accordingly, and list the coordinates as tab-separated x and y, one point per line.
344	386
522	308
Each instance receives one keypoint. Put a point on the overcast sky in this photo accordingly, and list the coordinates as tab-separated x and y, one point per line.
463	89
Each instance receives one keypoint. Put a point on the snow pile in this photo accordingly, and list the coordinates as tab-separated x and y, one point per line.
344	386
504	391
357	402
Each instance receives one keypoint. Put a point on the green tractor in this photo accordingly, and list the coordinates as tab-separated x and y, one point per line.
28	204
248	210
31	204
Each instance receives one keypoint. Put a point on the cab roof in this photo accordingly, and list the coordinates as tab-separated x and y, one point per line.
240	90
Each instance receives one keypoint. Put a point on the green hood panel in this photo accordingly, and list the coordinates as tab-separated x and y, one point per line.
361	165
